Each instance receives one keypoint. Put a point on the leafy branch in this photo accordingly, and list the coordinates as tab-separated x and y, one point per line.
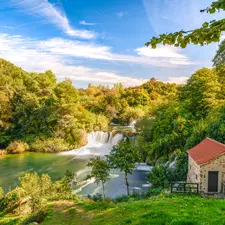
209	31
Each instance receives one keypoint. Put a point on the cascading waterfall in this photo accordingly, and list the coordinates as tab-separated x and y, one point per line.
99	143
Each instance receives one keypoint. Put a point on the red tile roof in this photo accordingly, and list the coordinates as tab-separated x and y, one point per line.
206	151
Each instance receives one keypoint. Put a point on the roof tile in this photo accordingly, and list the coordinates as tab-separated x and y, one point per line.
206	151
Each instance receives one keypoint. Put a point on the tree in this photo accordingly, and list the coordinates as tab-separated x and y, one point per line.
36	187
209	31
100	171
123	157
219	58
216	130
199	95
198	134
219	64
158	177
70	178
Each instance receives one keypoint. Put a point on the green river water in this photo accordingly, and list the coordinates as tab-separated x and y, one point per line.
14	166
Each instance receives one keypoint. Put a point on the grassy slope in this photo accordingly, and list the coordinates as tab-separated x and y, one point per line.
158	210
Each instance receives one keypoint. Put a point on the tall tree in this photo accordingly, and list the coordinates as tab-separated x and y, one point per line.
100	171
123	157
217	129
219	63
219	58
209	31
200	93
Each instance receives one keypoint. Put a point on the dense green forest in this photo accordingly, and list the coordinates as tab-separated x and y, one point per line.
196	112
40	114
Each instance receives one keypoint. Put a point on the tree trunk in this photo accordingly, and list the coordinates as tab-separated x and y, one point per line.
103	190
126	180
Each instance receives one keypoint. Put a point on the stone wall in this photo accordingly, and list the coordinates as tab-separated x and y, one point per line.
217	164
193	171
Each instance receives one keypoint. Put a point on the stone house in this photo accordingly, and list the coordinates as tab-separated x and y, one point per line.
206	166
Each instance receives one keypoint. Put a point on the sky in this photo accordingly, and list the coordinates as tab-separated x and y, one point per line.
102	41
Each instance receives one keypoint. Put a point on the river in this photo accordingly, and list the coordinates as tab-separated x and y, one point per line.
99	143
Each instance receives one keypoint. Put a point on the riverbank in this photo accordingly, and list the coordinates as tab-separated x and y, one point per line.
14	166
165	209
56	145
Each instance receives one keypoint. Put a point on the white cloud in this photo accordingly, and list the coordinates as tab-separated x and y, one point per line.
160	51
59	54
54	15
178	80
83	22
122	14
26	54
164	56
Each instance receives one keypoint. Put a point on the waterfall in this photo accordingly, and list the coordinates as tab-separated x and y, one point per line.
143	167
114	140
173	164
99	143
98	137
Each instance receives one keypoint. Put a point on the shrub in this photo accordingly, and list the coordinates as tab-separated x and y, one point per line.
61	188
155	191
158	177
80	137
97	197
37	217
122	198
17	147
49	145
11	198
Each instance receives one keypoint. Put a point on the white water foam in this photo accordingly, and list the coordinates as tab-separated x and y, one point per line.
173	164
83	184
143	167
99	143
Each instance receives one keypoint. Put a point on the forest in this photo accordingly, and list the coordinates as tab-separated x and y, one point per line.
39	113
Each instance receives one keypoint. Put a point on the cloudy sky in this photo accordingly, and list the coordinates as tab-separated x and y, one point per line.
102	41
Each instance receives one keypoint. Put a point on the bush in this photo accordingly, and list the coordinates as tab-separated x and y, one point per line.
155	191
158	177
97	197
80	137
49	145
11	198
61	188
122	198
17	147
37	217
179	173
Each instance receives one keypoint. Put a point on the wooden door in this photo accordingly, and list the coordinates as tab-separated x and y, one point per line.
213	181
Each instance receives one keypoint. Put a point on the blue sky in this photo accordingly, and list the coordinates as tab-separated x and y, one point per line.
102	41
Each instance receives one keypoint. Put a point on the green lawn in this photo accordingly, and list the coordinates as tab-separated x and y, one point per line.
158	210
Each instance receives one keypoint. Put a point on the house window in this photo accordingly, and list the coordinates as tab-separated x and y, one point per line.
196	177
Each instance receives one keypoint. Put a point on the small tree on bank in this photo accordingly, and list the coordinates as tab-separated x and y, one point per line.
123	157
100	171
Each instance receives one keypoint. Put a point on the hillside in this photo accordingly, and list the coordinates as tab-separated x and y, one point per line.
169	209
50	116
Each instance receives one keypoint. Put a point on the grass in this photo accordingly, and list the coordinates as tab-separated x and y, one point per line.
171	209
